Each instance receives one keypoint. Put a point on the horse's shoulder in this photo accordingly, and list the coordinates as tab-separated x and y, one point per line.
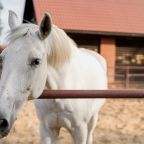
98	57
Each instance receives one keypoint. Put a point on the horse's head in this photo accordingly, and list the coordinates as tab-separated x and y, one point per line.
24	69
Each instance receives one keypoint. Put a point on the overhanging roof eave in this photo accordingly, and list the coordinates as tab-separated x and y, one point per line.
105	33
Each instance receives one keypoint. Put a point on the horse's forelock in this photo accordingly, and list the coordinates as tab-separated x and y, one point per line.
21	31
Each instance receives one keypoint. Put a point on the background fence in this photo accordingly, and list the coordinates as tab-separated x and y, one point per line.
128	77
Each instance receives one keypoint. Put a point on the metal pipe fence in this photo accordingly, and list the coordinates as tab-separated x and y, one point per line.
86	94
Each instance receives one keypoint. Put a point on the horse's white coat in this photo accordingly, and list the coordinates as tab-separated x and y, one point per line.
62	66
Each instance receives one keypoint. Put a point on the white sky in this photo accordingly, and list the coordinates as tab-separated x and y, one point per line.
17	6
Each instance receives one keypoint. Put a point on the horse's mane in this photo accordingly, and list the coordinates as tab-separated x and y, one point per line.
61	45
58	43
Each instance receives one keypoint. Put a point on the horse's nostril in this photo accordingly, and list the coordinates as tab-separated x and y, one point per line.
3	125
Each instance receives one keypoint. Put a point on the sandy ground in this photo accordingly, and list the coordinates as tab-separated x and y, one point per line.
120	122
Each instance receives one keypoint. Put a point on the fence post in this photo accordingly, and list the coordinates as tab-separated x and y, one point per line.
127	77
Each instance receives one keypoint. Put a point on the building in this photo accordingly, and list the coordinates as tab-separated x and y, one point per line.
114	28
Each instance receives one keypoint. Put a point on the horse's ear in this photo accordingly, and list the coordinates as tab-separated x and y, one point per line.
45	26
13	20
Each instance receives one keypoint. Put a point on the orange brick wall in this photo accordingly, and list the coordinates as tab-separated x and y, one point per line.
108	50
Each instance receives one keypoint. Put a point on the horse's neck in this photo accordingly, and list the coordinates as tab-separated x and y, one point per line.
62	51
56	76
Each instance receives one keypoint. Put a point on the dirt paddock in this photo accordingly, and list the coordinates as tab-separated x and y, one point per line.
120	122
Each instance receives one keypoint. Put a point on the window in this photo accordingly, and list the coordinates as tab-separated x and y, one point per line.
130	60
86	40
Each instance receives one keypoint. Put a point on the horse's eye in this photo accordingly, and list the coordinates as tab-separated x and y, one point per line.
35	62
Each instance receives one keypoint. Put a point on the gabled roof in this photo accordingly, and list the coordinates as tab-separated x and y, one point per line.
118	16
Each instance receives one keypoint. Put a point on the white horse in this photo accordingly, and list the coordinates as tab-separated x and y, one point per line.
44	57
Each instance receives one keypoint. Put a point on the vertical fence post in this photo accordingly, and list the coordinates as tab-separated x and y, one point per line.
127	77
